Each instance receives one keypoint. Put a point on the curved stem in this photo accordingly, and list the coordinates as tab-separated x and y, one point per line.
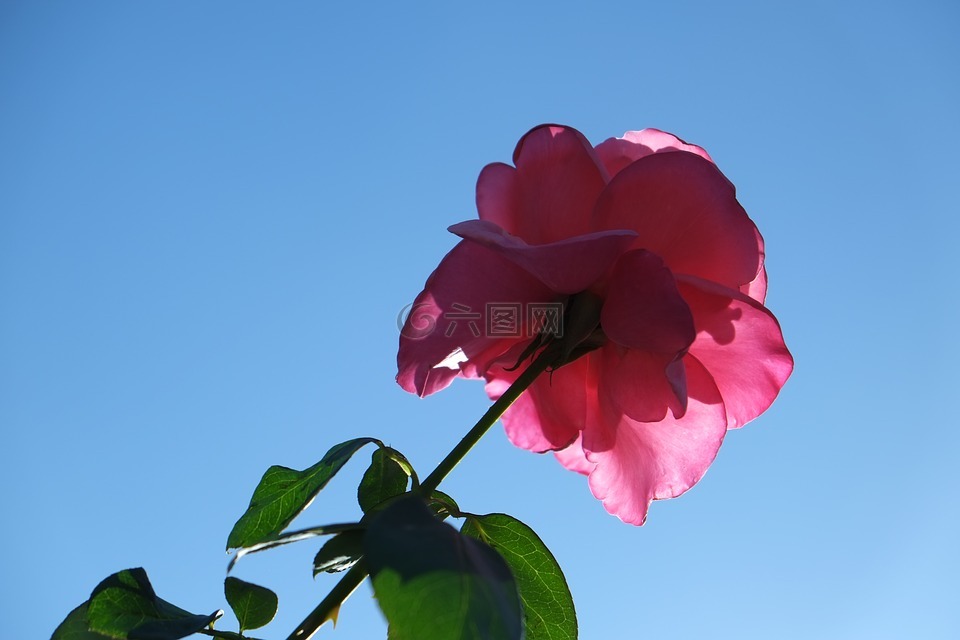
329	606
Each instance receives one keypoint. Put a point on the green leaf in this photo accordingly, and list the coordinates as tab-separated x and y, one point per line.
442	504
283	493
547	603
228	635
385	478
339	553
291	537
125	606
401	460
76	626
253	605
433	582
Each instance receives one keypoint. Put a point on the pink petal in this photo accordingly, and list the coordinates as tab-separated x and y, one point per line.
616	153
740	343
757	288
551	193
498	197
637	462
686	212
567	266
551	413
574	458
636	384
643	308
467	279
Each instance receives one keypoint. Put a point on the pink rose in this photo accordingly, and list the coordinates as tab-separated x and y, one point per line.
642	246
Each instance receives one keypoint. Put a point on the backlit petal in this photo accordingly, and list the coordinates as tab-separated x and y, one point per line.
551	193
740	343
567	266
447	327
643	308
636	383
497	197
574	458
637	462
687	213
616	153
552	412
757	288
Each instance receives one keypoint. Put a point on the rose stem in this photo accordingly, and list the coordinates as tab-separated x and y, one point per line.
352	579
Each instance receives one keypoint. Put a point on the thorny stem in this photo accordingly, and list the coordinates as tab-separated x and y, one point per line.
329	606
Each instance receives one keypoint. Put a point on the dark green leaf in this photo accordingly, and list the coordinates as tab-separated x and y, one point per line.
432	582
401	460
283	493
442	504
383	479
339	553
228	635
253	605
547	603
294	536
77	627
125	606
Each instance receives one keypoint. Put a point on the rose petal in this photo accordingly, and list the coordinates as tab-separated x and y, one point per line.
497	196
637	462
643	308
617	153
454	301
740	343
757	288
636	383
551	194
687	213
568	266
677	379
574	458
551	413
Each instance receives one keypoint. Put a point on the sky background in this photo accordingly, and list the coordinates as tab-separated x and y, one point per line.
212	212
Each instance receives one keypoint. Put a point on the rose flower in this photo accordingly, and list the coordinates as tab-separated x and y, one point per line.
656	277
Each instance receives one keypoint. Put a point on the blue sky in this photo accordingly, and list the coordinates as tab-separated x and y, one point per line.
211	214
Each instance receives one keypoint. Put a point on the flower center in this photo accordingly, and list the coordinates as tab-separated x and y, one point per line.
580	333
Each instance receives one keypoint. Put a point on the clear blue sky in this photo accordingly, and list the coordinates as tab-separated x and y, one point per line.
212	212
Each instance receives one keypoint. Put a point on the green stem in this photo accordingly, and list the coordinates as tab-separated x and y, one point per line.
488	419
328	607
